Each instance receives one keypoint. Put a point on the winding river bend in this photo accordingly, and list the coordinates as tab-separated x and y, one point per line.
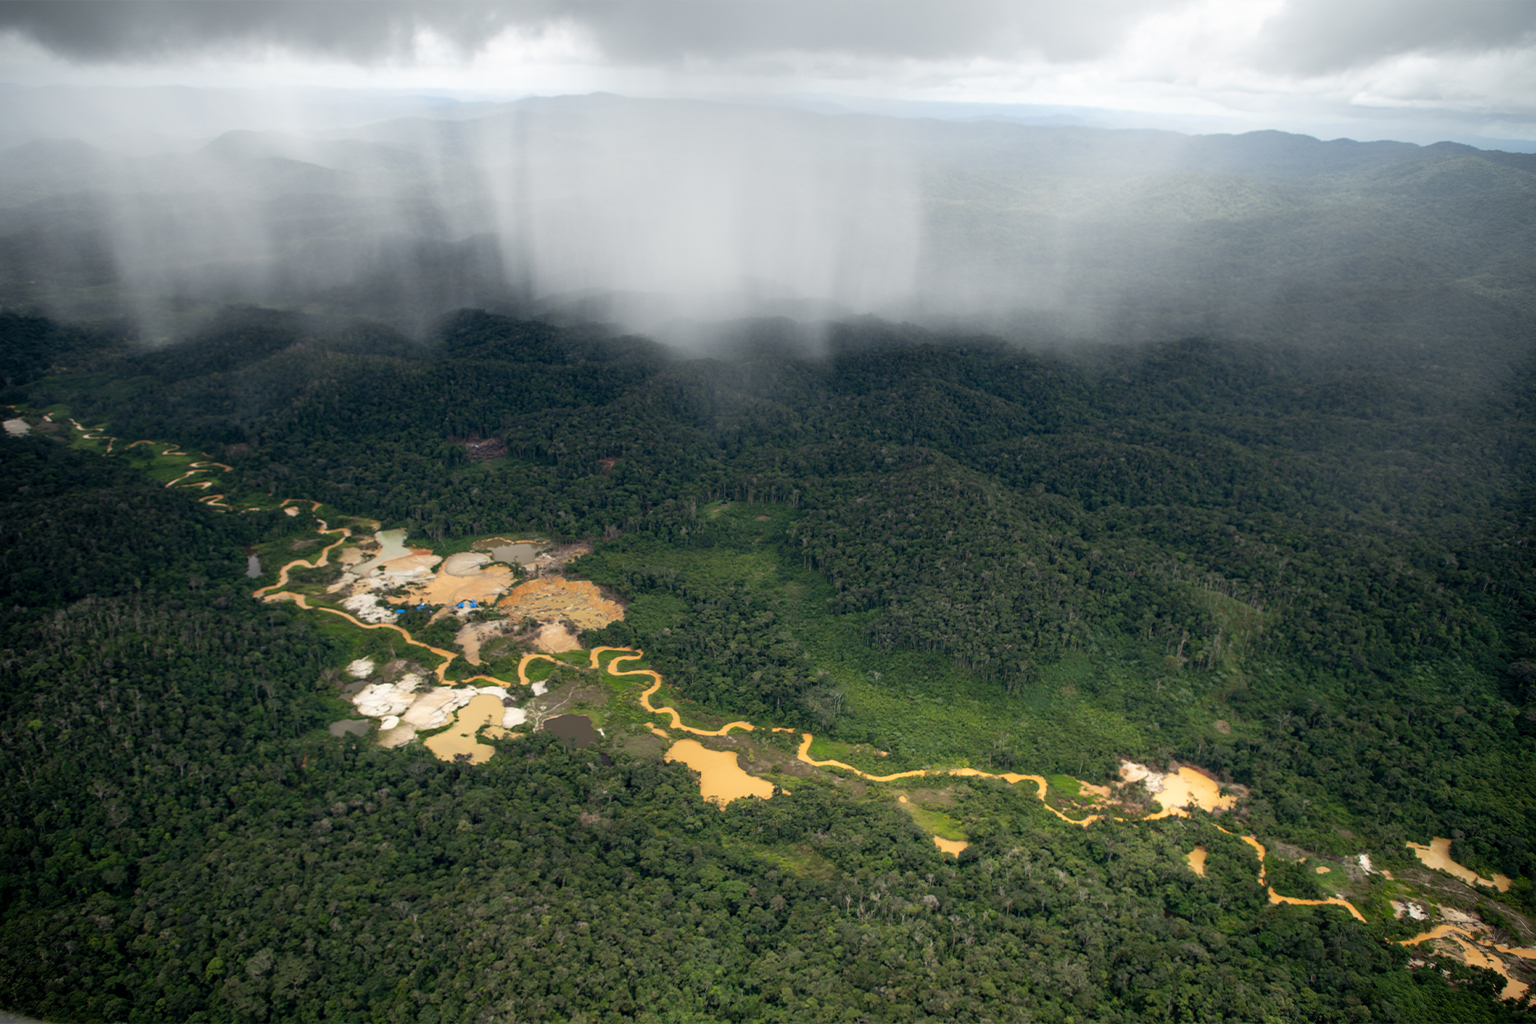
721	777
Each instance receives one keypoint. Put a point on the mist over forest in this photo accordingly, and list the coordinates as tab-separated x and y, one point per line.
655	214
993	451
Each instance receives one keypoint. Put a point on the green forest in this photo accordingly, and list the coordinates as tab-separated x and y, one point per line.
1308	569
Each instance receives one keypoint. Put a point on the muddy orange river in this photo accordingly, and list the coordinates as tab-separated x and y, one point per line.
721	778
1474	952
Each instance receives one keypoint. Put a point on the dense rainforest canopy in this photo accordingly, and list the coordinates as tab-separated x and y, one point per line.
1308	569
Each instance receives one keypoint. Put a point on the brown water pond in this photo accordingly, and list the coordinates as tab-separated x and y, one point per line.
1196	858
522	553
574	729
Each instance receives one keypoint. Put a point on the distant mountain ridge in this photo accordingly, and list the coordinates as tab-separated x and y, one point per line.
694	211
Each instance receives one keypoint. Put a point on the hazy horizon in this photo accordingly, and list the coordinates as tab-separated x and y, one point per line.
1010	167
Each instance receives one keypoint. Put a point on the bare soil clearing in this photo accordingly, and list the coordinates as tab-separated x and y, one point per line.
552	599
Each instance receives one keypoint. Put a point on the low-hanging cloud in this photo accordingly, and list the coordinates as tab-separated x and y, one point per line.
1315	37
624	31
128	31
1301	36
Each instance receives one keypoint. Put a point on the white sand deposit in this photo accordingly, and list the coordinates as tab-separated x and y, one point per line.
382	700
367	608
399	736
465	563
436	707
17	427
362	668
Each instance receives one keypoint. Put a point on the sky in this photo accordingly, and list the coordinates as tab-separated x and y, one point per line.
1414	70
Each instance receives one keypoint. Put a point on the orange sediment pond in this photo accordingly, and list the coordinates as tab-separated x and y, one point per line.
1437	855
1196	858
721	778
1178	791
481	711
951	846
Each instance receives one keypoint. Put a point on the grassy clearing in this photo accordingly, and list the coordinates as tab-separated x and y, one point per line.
797	859
937	823
923	709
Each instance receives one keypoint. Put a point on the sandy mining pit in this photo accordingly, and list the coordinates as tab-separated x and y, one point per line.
1179	791
552	599
458	579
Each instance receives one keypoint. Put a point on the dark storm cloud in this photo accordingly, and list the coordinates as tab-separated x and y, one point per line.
149	30
1323	36
626	31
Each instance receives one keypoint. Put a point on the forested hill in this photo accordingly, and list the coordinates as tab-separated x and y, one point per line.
1368	509
1307	569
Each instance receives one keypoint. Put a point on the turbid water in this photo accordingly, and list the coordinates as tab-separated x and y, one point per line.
481	711
1474	951
574	729
721	778
1196	858
954	847
1180	789
252	567
391	546
521	552
1333	901
1437	855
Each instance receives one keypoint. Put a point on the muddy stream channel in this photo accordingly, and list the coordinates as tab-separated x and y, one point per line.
375	571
